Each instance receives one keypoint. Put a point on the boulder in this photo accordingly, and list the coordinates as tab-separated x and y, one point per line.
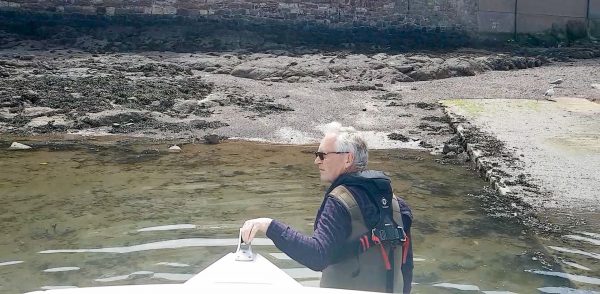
430	72
215	99
519	62
108	117
18	146
312	69
38	111
31	95
212	139
6	115
186	106
403	68
376	65
223	70
461	67
452	148
55	121
174	149
254	72
400	77
422	59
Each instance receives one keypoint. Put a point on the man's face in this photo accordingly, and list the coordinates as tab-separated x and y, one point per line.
332	165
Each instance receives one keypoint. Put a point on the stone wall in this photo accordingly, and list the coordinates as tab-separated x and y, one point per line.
395	24
231	24
378	13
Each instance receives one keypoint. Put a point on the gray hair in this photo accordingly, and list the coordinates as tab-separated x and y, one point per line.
349	140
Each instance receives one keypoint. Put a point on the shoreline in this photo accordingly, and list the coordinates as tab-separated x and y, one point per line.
494	203
199	97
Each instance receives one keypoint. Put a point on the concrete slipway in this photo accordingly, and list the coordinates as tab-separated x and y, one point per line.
543	152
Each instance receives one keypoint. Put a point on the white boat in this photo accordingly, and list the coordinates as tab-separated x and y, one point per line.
233	273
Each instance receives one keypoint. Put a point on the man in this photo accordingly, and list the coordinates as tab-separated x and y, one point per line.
345	244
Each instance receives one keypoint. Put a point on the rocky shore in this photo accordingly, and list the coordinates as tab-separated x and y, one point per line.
158	94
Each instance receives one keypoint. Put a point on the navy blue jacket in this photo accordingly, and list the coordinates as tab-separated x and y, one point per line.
332	228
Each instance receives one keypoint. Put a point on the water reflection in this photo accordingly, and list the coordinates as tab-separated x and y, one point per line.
56	287
280	256
565	290
576	278
168	228
457	286
147	275
10	262
575	251
168	244
136	214
576	265
61	269
302	273
173	264
581	238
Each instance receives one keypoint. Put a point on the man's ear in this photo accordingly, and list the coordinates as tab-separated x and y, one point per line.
349	160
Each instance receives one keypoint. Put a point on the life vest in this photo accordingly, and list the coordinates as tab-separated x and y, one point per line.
372	257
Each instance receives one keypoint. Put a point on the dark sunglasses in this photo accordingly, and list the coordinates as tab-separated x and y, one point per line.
321	155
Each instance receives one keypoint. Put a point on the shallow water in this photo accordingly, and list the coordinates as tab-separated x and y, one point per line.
131	213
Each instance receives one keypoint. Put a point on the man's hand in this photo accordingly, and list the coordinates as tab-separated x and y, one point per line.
253	226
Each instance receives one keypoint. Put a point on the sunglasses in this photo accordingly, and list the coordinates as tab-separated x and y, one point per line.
321	155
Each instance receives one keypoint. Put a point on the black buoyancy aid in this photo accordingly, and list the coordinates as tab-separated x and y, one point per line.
372	256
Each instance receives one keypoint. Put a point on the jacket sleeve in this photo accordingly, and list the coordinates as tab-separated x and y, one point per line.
332	228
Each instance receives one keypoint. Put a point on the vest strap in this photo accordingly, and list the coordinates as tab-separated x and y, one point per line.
347	199
396	212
